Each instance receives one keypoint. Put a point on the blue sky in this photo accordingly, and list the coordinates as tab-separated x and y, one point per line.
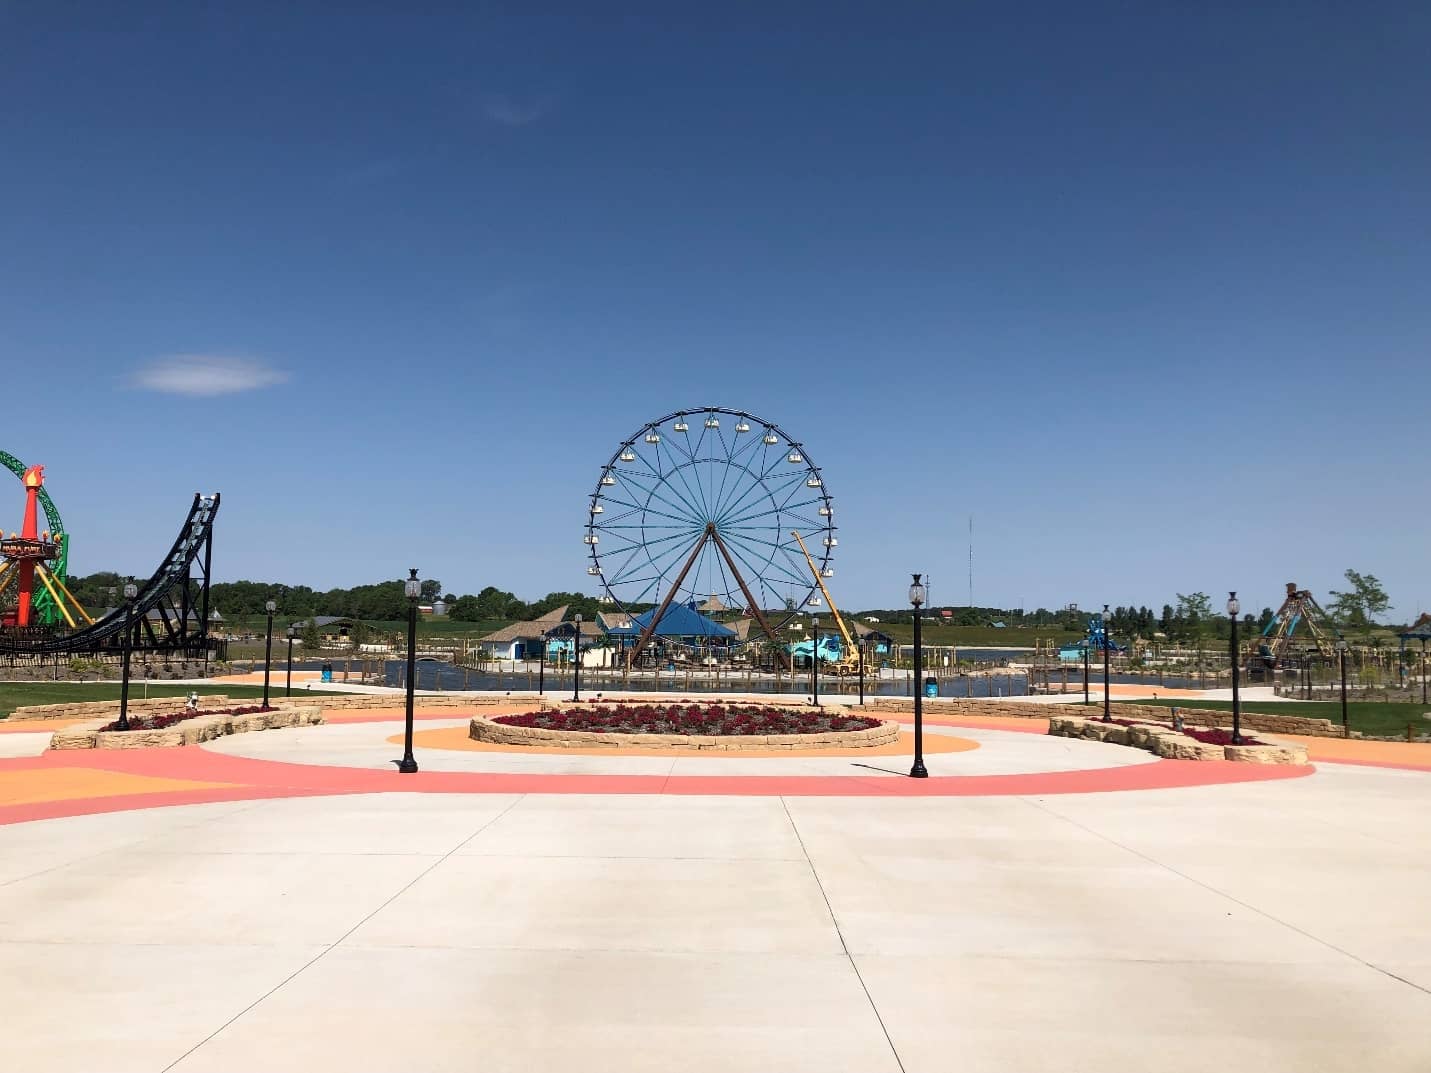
1143	288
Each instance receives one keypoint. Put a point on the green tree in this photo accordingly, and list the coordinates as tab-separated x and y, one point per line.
1194	612
312	639
1361	603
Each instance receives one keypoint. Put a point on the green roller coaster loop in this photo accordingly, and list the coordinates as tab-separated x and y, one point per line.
45	609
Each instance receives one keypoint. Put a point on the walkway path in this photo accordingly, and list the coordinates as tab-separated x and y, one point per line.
322	912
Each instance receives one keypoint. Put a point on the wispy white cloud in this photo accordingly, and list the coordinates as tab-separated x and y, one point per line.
511	112
206	374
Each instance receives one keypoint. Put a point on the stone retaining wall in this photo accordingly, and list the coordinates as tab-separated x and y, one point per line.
1151	713
344	702
1170	745
93	709
189	732
484	729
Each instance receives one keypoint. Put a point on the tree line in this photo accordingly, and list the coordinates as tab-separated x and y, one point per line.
1190	616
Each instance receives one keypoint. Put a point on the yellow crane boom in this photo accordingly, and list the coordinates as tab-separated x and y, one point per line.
850	646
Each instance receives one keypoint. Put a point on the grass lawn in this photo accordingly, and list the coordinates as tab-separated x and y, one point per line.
1369	717
936	633
21	694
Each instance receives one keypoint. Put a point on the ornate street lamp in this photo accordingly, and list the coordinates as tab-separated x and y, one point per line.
270	607
1103	617
288	680
541	666
1233	607
862	671
815	660
412	589
130	592
917	595
1342	657
576	660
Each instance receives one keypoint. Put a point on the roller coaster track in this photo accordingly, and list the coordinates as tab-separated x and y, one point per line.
178	591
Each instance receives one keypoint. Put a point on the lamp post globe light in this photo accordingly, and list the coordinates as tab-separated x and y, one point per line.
270	607
1233	607
1342	658
1103	617
130	592
576	659
917	595
412	589
288	674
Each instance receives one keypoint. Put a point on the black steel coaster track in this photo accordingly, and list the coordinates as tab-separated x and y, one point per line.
178	591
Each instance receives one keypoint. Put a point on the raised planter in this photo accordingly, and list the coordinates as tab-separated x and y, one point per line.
190	732
1170	745
487	729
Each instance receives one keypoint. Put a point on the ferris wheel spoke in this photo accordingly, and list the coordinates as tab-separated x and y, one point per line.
753	510
764	552
643	511
678	469
763	582
682	514
762	485
788	515
682	509
741	488
780	554
653	543
645	461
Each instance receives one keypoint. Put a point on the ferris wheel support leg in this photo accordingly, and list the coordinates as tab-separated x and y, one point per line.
675	586
750	601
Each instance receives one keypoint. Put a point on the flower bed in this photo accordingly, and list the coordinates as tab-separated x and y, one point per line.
1191	743
173	729
1206	735
721	727
707	720
168	719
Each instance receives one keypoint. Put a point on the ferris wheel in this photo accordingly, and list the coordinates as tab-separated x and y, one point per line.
700	508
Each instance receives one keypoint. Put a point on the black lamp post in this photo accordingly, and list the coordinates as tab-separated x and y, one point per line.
541	667
288	679
815	660
576	660
1085	672
1423	670
130	592
1103	617
917	594
1233	607
412	589
270	607
862	672
1342	656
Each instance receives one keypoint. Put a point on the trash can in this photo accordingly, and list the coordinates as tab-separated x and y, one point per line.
327	675
931	687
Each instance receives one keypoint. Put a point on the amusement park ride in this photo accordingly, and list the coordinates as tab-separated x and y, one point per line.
35	553
170	613
699	506
1276	642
